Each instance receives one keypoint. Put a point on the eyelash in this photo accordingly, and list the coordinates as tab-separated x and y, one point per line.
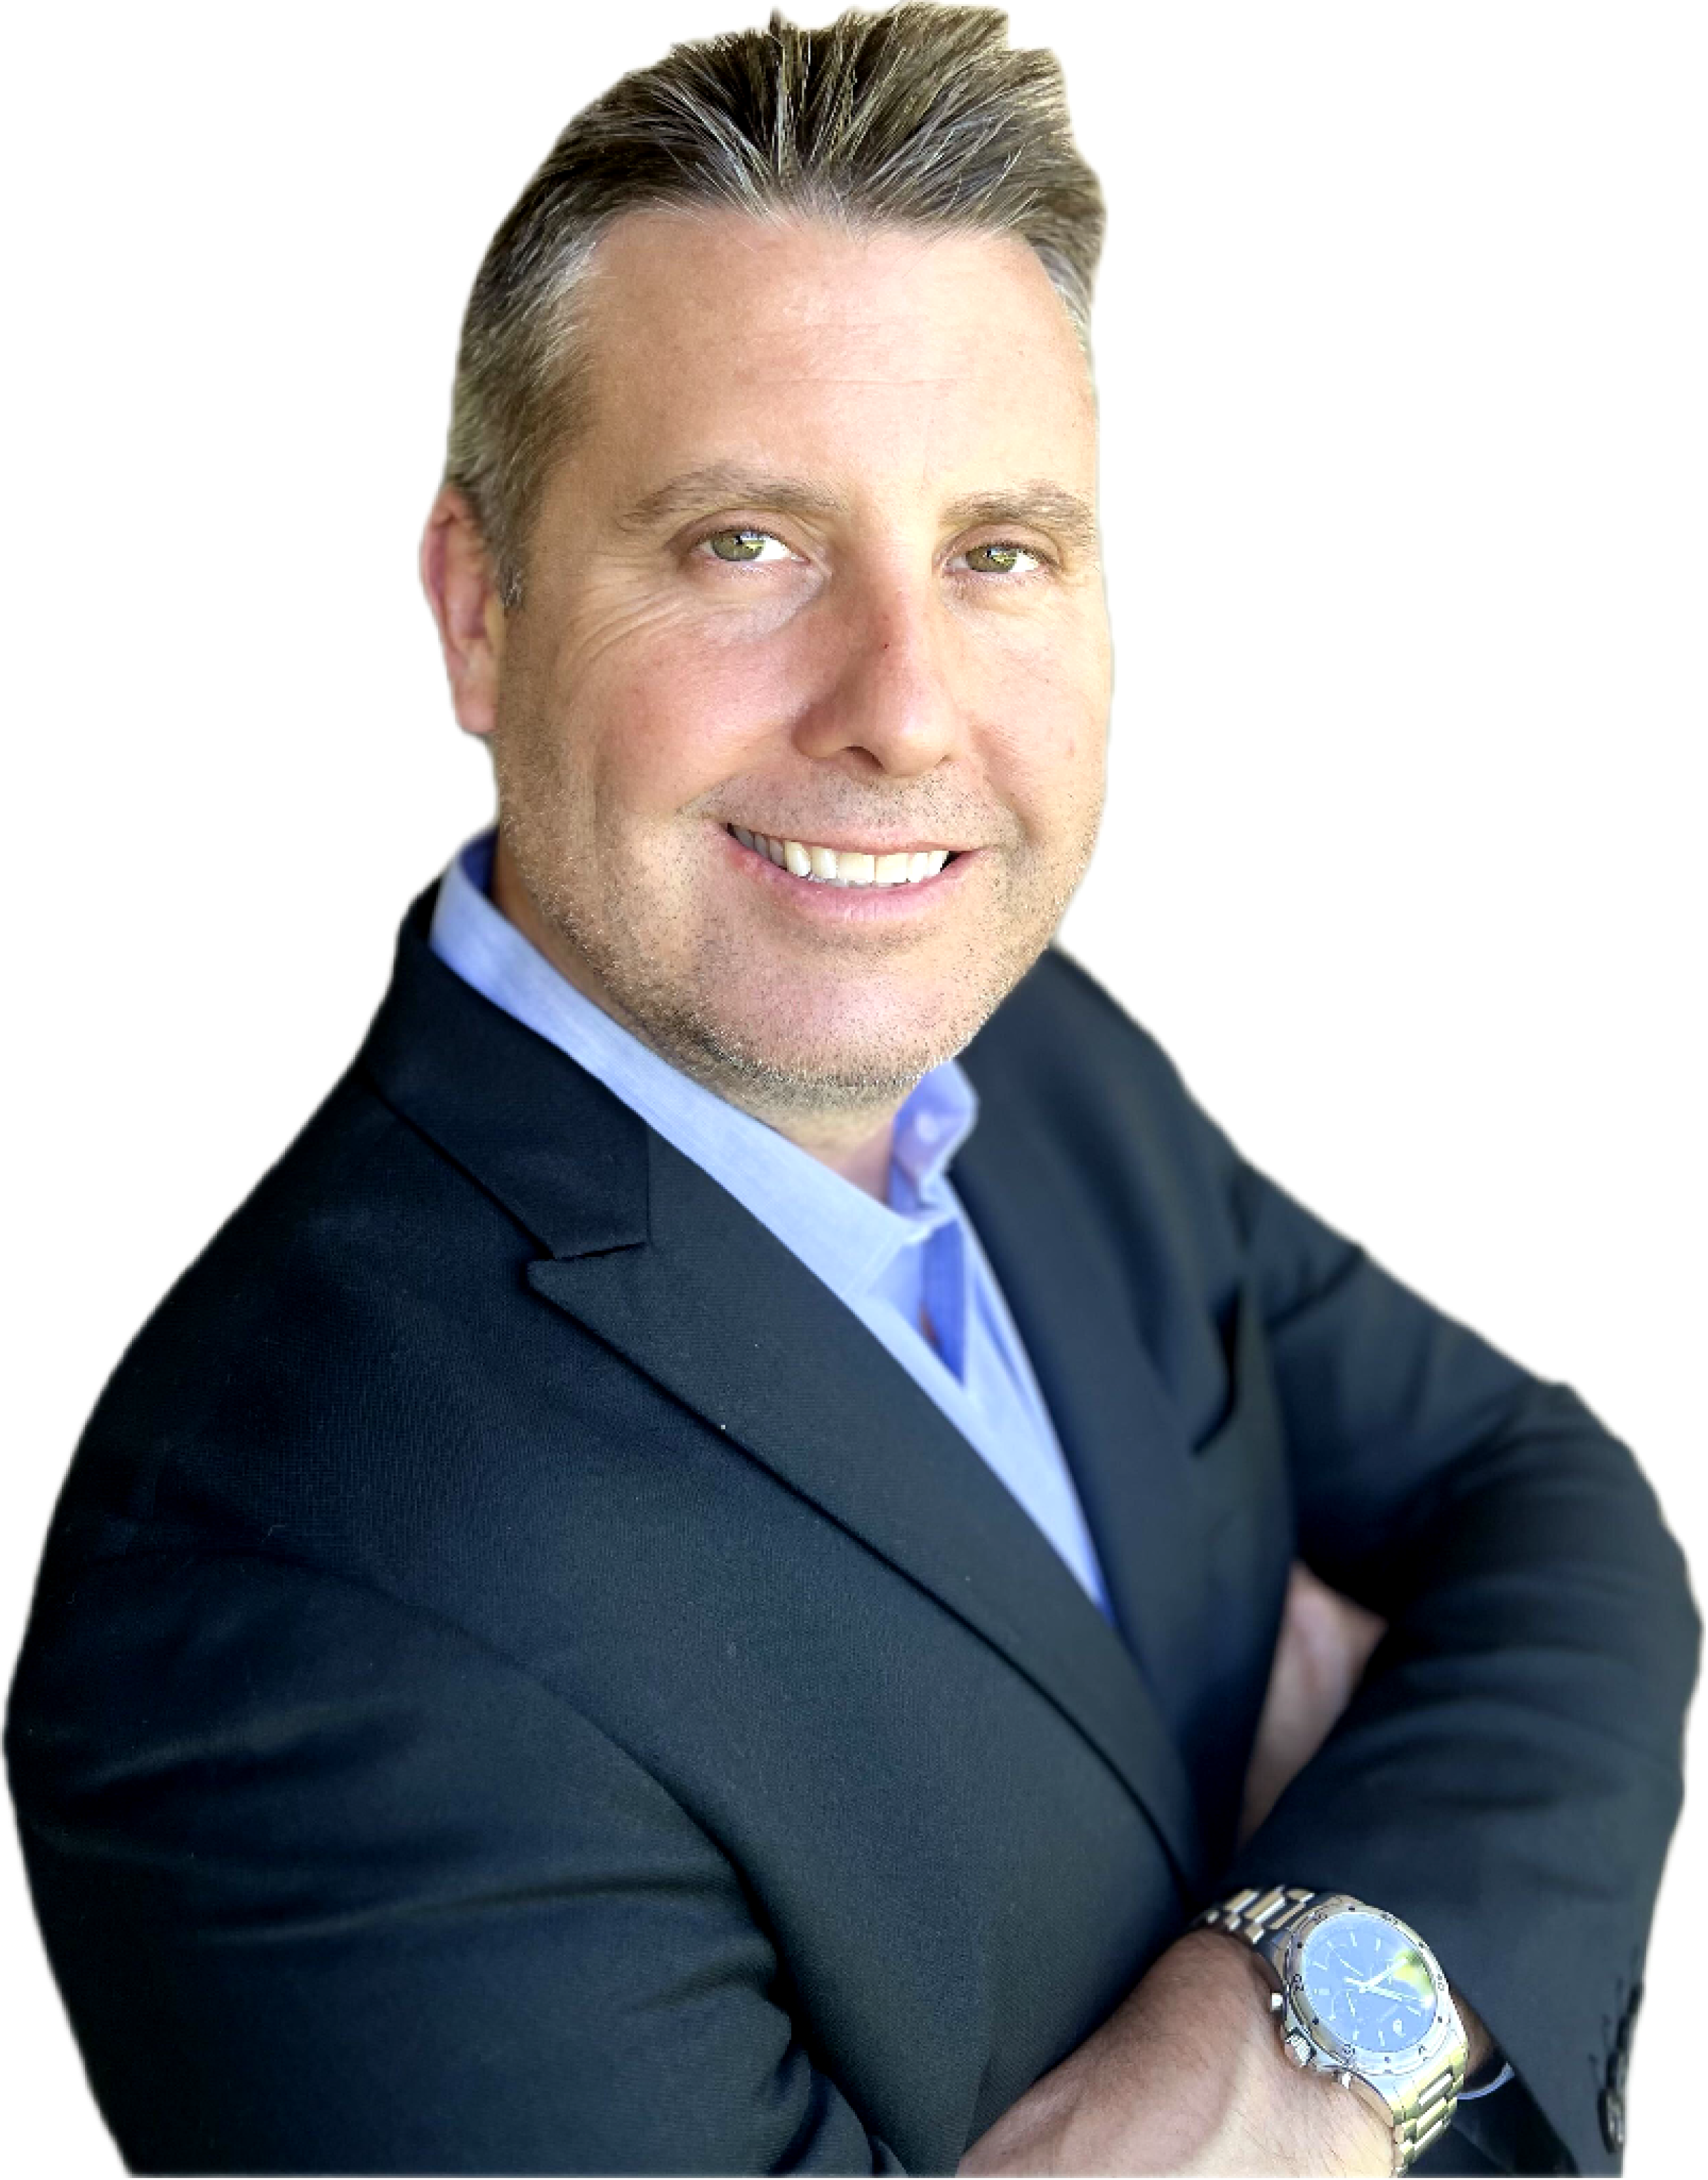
1044	565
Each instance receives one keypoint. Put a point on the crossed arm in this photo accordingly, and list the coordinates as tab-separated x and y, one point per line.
1187	2075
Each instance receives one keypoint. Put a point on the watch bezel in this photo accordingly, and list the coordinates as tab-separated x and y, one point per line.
1331	2051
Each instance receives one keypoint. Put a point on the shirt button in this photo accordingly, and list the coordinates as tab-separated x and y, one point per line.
1613	2119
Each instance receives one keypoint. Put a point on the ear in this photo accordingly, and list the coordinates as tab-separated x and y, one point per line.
461	585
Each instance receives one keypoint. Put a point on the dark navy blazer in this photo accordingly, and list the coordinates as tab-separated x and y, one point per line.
521	1681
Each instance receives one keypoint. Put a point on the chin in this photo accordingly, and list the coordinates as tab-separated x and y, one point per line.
777	1059
807	1075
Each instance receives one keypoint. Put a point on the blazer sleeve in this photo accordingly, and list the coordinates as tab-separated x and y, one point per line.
1508	1774
329	1887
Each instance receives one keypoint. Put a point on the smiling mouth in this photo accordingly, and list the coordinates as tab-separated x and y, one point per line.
847	866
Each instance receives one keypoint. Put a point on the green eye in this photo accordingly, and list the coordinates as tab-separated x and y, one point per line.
739	544
998	560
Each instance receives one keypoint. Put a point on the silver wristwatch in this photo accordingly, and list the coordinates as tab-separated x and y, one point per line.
1359	1995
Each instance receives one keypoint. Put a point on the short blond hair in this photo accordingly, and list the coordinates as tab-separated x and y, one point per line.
919	116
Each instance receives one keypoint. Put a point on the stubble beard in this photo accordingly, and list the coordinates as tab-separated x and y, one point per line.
549	835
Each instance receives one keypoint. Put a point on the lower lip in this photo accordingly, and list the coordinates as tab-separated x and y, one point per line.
853	903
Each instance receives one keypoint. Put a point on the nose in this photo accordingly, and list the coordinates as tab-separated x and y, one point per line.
890	704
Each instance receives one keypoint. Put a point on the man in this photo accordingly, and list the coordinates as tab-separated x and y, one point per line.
624	1616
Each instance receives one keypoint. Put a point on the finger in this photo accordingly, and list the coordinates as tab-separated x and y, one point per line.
1308	1592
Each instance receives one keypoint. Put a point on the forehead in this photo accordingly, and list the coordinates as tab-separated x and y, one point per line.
884	354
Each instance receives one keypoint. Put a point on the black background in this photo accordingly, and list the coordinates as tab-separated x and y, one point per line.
1396	849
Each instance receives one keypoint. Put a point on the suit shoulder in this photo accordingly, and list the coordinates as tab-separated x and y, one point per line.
1061	1038
342	1205
336	1286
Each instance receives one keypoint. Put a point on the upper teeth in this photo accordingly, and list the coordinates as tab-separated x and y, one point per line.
845	865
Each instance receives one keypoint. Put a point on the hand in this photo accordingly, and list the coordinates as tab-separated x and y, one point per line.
1325	1643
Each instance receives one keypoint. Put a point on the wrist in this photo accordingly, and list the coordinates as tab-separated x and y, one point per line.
1185	2076
1358	1997
1275	2107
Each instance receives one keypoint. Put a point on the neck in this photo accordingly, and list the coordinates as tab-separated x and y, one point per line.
865	1161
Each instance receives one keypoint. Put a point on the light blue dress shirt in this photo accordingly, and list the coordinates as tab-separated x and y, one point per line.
883	1261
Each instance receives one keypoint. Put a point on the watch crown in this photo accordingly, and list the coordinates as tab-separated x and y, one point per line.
1276	2001
1298	2050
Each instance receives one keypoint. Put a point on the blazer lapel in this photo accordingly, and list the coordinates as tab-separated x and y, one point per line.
1050	1243
715	1309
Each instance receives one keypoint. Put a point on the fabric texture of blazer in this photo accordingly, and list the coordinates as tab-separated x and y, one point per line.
520	1680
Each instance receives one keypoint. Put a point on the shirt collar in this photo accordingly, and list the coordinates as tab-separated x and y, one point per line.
847	1237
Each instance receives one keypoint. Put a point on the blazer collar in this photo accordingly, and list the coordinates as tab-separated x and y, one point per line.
667	1267
565	1158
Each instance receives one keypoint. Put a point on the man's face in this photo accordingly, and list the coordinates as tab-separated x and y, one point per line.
821	566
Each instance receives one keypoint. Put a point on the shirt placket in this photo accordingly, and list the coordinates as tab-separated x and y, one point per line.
943	1294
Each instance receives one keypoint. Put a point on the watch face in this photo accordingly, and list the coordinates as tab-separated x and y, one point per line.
1367	1982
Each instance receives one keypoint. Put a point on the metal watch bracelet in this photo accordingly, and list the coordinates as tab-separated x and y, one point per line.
1420	2106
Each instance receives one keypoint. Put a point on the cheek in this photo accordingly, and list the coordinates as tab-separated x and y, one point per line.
1048	717
663	716
659	742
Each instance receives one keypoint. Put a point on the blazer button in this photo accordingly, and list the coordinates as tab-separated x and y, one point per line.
1612	2119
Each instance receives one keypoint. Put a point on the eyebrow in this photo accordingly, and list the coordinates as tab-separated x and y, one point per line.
1039	505
724	484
